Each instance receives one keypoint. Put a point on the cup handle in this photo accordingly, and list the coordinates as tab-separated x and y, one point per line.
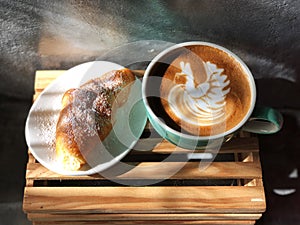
264	120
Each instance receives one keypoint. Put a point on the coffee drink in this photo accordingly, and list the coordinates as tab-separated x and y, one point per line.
203	91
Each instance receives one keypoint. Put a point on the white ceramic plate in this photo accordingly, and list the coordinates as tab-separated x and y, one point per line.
43	115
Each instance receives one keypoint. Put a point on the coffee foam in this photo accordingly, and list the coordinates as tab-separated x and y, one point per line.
205	91
199	104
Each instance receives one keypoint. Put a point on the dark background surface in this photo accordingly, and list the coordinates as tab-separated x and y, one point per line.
60	34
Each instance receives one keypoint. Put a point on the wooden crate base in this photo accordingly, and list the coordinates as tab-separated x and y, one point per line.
229	191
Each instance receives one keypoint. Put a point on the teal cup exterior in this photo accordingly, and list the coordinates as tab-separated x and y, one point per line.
258	119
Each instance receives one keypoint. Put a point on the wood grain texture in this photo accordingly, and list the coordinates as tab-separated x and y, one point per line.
180	199
249	144
145	217
243	203
164	170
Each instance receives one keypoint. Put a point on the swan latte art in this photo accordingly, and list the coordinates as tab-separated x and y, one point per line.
205	91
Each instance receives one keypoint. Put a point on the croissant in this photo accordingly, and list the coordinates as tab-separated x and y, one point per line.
85	116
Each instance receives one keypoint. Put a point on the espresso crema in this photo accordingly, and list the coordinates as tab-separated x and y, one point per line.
205	91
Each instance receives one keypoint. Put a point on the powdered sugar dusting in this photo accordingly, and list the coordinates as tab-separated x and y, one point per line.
90	111
46	127
81	114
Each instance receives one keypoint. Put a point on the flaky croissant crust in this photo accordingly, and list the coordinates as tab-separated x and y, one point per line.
85	116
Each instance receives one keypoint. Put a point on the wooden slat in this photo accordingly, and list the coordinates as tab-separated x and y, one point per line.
178	199
163	170
143	222
44	77
249	144
148	216
31	158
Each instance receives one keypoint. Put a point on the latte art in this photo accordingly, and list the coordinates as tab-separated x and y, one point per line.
203	91
199	104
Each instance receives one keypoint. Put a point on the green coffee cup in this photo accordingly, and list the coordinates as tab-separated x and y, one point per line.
196	93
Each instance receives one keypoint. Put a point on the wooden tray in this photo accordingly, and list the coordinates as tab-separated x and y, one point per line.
228	191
